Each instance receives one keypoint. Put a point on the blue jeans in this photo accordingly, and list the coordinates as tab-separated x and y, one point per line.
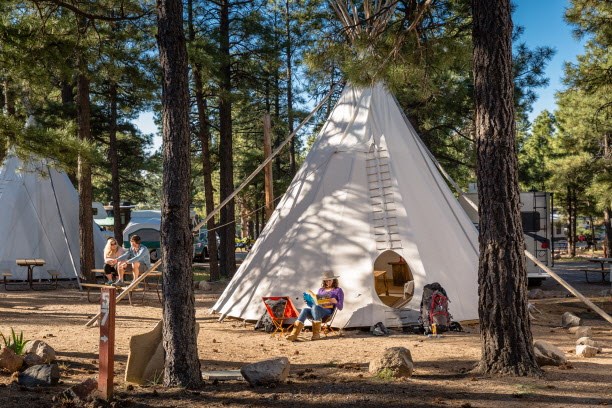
316	313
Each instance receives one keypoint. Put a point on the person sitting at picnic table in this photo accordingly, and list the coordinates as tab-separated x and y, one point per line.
112	250
135	260
334	296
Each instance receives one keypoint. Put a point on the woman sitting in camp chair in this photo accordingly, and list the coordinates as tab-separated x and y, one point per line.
328	298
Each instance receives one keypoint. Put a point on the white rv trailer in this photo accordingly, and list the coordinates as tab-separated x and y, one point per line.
537	228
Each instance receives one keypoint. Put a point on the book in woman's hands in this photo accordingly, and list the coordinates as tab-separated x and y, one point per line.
312	299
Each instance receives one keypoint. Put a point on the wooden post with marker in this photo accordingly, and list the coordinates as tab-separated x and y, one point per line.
107	342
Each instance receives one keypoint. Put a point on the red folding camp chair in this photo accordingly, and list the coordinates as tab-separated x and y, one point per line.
280	309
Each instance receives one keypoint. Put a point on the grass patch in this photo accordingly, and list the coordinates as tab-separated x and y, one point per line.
386	374
14	342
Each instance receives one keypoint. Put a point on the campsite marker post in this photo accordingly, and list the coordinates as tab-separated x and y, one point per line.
107	342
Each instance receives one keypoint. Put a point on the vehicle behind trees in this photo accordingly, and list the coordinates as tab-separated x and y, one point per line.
537	222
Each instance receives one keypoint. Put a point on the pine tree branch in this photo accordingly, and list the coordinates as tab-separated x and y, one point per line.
92	16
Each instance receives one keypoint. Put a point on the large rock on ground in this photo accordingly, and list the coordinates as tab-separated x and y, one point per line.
10	361
586	341
272	371
535	294
80	392
548	354
581	331
570	320
40	375
205	286
394	361
32	359
41	349
586	351
146	358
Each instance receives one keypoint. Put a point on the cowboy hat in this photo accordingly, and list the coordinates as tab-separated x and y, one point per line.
329	275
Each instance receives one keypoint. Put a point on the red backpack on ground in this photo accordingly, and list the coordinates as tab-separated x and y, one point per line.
434	309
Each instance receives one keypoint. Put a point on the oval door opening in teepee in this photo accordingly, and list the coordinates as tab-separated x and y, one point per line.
393	280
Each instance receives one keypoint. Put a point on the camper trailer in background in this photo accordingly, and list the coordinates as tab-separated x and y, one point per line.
536	217
99	213
147	225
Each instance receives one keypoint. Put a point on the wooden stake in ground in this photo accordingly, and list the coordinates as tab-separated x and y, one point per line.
267	145
107	342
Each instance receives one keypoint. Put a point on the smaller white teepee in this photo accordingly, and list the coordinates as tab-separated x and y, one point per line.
41	220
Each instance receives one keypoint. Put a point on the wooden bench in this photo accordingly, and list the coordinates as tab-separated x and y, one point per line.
5	275
98	275
604	273
54	276
157	275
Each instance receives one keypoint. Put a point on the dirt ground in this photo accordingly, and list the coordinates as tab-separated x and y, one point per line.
330	372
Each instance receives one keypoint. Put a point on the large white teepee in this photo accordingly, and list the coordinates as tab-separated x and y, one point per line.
366	195
41	220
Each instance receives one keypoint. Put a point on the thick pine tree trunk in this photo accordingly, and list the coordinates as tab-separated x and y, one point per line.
8	105
226	161
571	213
182	366
608	230
608	209
204	134
288	57
502	279
84	180
114	161
9	98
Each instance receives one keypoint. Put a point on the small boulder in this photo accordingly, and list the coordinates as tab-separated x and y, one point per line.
40	375
548	354
586	341
570	320
536	294
32	359
79	392
272	371
396	361
581	331
10	361
205	286
41	349
586	351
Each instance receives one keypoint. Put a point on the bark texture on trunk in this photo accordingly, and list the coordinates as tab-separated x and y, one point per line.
114	162
226	163
182	366
502	280
288	56
204	134
84	180
572	216
608	230
9	98
268	182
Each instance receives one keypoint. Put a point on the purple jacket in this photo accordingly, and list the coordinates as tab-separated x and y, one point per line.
335	293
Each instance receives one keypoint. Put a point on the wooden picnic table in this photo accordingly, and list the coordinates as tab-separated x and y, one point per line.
31	263
604	272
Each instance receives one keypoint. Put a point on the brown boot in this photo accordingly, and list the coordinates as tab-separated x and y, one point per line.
316	330
297	328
